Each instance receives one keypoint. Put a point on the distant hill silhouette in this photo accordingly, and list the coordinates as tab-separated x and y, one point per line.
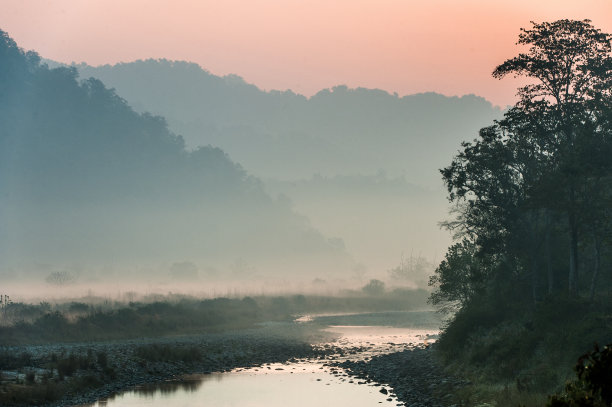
276	134
86	180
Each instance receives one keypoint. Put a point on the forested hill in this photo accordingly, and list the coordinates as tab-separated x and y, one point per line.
277	134
84	179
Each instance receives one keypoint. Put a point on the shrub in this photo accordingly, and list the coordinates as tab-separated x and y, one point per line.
30	377
592	385
374	288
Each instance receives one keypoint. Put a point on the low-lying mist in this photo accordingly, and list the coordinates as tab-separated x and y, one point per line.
98	198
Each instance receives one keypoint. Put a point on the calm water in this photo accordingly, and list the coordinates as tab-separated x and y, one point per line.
300	384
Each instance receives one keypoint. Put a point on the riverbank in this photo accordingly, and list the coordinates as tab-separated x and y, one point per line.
80	373
413	374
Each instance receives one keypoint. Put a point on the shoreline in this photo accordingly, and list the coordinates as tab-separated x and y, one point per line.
412	374
130	363
416	378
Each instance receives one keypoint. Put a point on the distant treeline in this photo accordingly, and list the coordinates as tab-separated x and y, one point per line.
284	135
98	319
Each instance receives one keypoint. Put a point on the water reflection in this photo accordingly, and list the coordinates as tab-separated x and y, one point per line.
185	385
276	385
303	383
188	384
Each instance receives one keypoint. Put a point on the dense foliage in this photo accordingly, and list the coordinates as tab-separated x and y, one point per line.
533	211
592	384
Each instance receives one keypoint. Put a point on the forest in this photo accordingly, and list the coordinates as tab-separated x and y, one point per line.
528	280
87	181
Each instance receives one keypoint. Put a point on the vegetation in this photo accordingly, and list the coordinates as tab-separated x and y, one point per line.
592	385
40	374
132	320
99	319
532	198
84	178
338	132
57	374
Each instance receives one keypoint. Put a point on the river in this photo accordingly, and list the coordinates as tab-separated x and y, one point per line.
298	383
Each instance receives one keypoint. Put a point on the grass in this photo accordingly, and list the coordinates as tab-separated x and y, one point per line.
64	373
520	356
78	321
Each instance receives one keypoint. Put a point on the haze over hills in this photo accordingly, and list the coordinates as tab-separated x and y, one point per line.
381	219
283	135
361	164
89	185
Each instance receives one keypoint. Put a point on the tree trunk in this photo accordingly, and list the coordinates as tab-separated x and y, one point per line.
595	267
549	269
534	278
573	241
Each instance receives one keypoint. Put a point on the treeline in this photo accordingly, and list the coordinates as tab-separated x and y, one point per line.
98	319
283	135
83	322
532	200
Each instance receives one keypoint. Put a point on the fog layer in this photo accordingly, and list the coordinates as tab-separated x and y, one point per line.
361	164
285	135
93	189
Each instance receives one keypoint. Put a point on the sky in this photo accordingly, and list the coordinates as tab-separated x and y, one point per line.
404	46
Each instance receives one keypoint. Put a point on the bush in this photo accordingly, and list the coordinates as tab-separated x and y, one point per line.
592	387
68	366
30	377
10	361
102	359
374	288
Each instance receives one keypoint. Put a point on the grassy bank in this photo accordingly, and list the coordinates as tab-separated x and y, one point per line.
519	355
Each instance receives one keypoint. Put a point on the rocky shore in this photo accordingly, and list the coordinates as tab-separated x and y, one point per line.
416	378
409	376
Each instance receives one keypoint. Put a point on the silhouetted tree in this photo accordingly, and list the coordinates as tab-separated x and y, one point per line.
548	156
571	64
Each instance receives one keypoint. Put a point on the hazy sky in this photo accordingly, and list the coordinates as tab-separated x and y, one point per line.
404	46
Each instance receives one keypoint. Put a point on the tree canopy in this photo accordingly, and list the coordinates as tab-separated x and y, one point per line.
539	182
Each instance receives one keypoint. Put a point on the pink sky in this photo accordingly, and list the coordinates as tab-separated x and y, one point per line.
446	46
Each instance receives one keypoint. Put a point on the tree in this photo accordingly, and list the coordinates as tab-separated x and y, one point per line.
60	278
548	158
459	277
374	288
571	66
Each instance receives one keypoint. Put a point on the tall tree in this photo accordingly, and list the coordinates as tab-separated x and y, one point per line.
548	158
570	66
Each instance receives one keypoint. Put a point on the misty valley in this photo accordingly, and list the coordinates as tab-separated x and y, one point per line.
173	237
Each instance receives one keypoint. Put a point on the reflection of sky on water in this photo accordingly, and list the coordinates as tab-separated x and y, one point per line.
379	340
301	384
